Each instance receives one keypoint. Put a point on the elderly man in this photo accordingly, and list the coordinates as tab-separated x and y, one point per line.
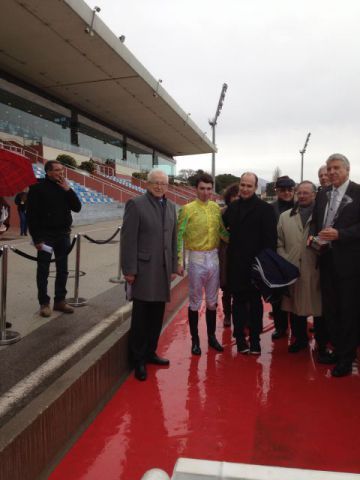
50	203
148	262
285	191
323	177
336	227
252	226
200	228
304	296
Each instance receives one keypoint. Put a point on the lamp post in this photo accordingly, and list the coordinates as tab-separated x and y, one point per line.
213	125
302	156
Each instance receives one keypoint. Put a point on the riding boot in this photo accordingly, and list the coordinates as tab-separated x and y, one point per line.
211	325
193	324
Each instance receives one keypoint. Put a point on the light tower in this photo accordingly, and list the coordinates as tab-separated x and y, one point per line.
213	125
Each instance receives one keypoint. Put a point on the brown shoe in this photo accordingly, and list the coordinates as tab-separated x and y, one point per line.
63	307
45	310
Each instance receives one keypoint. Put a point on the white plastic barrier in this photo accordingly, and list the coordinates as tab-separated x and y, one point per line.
190	469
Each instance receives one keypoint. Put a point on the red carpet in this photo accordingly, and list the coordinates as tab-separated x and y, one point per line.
276	409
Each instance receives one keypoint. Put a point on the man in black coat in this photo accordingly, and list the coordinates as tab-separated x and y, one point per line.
252	226
49	207
336	223
285	191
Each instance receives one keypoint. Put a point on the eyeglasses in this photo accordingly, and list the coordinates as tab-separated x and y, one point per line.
159	184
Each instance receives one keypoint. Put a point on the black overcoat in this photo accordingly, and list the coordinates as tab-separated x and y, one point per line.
252	227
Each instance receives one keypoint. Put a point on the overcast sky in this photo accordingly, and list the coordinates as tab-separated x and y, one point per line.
291	68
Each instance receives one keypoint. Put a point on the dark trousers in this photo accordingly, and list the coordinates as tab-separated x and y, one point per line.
145	329
226	302
61	245
247	312
340	308
23	223
299	328
321	333
280	317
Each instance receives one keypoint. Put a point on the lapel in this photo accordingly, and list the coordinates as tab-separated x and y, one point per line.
346	200
323	200
244	212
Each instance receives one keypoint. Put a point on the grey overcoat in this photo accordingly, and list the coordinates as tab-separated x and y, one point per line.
148	247
305	297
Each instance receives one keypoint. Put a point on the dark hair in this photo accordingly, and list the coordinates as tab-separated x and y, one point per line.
203	177
49	165
251	173
231	191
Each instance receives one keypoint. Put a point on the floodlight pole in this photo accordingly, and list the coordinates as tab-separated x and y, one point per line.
212	123
302	156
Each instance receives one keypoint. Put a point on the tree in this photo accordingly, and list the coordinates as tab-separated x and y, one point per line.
223	180
276	174
67	160
184	174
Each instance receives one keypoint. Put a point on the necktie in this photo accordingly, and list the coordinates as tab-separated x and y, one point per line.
331	211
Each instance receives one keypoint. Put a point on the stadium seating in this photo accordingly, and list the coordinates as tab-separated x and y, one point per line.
85	195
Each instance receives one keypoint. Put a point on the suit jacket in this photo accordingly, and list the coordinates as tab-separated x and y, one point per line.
345	251
148	247
252	227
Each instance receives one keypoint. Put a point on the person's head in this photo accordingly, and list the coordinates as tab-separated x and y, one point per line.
248	185
54	170
204	186
231	193
285	188
157	183
306	193
323	176
338	169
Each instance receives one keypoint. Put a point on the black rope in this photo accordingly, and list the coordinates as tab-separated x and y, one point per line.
35	259
101	242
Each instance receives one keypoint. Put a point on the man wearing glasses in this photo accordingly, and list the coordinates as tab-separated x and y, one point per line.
148	262
285	191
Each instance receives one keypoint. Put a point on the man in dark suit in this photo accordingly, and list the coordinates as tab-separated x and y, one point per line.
336	226
148	261
252	226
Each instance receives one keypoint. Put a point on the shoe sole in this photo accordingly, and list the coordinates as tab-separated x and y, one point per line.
255	352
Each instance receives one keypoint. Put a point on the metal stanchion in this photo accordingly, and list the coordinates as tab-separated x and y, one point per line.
6	336
77	301
119	278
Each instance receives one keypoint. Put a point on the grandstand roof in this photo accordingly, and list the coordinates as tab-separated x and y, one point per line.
45	45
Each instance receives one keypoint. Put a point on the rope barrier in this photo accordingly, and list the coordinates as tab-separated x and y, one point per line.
102	242
35	259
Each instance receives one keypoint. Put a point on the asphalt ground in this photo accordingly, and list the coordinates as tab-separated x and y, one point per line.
98	262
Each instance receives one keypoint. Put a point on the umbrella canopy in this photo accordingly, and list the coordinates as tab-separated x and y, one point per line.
16	173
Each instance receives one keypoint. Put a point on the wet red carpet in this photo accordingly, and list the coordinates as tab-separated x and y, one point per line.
276	409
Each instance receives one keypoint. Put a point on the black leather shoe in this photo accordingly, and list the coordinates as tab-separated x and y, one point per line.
278	334
326	357
195	348
156	360
140	372
213	343
242	347
342	368
297	347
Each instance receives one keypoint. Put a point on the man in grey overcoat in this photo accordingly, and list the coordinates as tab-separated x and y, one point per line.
304	297
148	262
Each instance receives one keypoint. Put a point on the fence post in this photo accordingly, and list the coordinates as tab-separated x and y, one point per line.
6	336
118	279
77	301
